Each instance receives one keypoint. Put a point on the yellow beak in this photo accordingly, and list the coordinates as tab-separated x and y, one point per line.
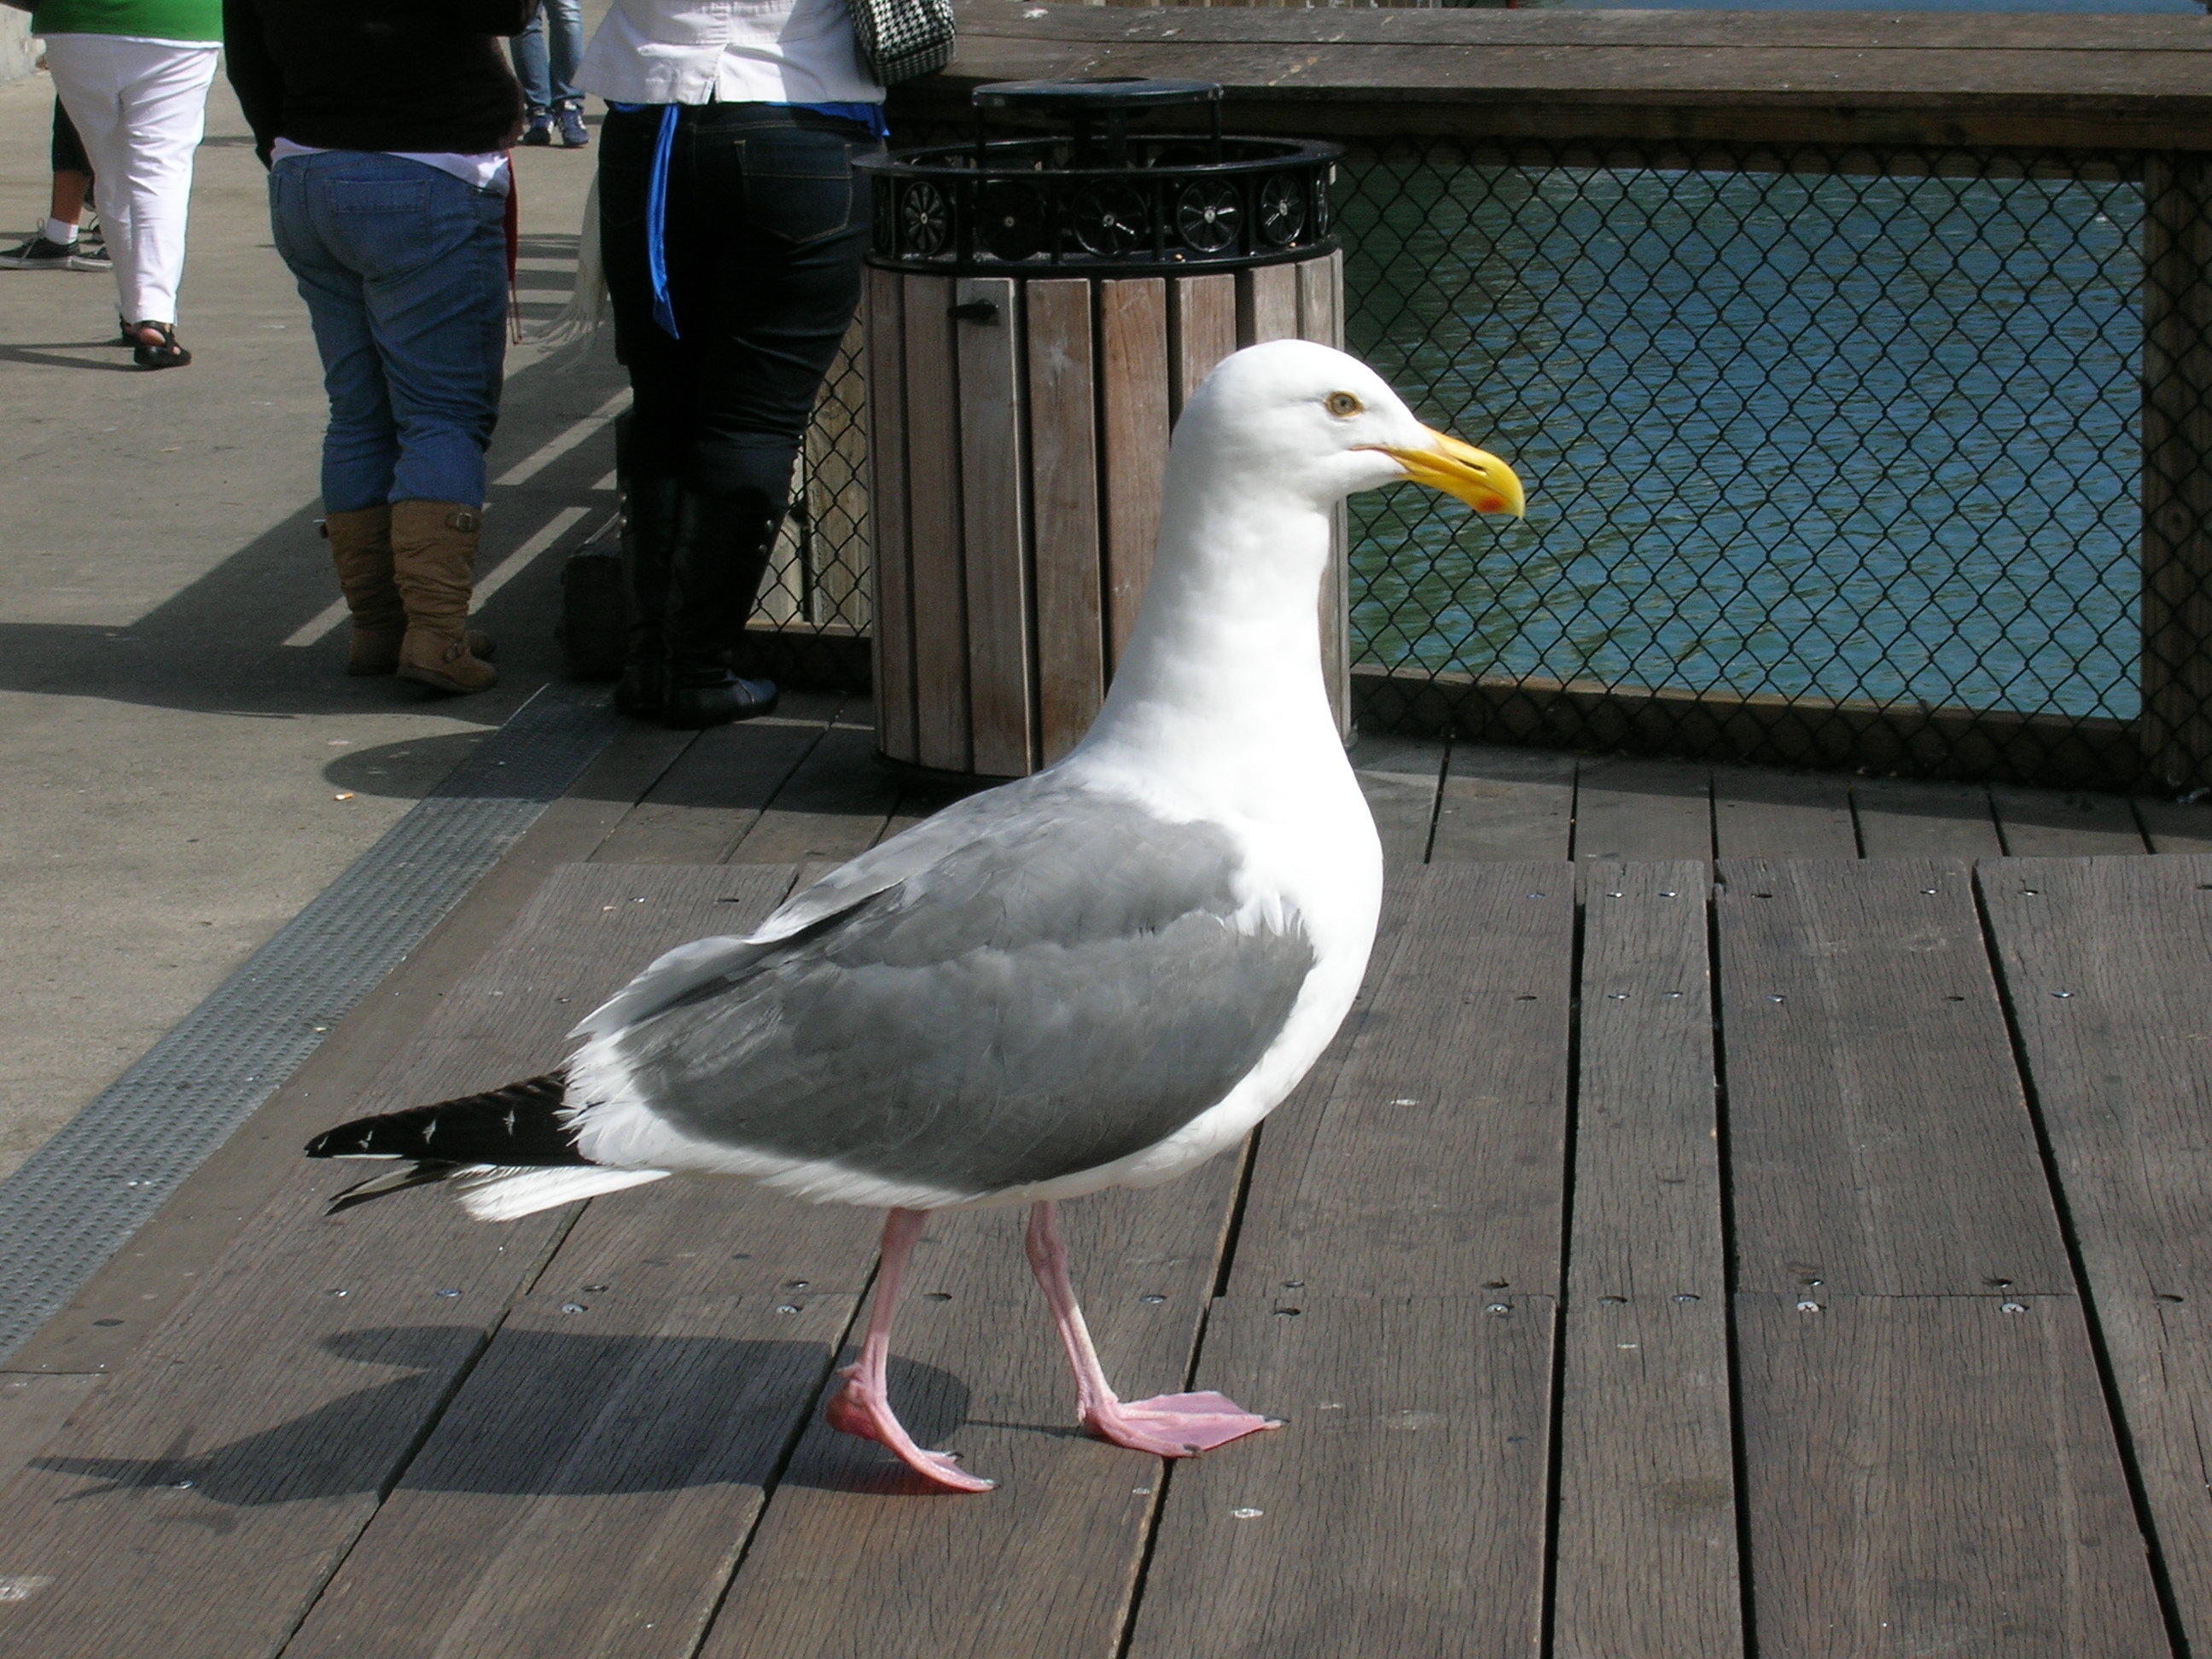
1476	476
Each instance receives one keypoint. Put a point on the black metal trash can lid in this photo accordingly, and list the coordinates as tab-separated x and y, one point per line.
1097	198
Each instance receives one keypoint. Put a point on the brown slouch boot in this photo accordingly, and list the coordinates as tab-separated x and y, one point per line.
434	550
361	548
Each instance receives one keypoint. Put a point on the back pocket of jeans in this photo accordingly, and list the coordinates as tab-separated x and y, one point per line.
408	196
799	183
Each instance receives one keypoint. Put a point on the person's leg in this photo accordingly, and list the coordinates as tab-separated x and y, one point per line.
432	252
89	72
71	169
161	94
564	35
531	69
361	444
165	109
66	204
657	432
786	280
72	180
563	23
56	245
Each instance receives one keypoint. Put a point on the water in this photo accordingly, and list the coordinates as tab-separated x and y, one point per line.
1802	434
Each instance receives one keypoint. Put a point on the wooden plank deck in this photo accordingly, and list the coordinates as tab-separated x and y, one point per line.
1701	1240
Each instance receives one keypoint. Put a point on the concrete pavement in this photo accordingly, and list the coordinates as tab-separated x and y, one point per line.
182	763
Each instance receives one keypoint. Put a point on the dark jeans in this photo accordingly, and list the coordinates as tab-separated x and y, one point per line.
766	225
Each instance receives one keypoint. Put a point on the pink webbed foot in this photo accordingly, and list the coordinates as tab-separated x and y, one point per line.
858	1409
1175	1425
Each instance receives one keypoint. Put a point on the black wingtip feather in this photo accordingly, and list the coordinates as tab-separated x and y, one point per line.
518	1126
392	1181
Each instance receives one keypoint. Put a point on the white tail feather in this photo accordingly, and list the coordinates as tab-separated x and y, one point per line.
503	1195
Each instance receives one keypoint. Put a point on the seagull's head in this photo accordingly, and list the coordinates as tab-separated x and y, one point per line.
1307	420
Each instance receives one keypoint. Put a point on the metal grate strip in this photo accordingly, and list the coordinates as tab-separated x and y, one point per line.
86	1191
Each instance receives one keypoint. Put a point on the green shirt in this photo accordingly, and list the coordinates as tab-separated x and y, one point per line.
152	19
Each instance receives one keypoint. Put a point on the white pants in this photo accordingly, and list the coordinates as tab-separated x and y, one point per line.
140	108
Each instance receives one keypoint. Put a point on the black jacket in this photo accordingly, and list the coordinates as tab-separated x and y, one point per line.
404	75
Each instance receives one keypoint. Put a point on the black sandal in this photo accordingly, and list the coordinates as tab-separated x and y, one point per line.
165	353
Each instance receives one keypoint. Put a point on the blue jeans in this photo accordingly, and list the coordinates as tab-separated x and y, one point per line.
403	269
550	85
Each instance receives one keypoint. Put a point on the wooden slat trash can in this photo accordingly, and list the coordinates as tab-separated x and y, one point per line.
1037	310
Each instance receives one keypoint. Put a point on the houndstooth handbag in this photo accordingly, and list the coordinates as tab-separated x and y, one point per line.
902	38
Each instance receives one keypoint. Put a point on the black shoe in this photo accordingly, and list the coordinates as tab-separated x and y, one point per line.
39	254
163	353
694	707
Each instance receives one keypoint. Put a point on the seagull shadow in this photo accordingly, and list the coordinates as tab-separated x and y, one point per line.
544	1414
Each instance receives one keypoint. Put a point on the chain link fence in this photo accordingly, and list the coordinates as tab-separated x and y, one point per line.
1834	458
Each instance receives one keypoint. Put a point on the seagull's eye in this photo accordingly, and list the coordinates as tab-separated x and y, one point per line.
1343	403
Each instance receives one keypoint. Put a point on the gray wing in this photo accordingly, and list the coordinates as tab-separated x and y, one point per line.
879	868
1067	985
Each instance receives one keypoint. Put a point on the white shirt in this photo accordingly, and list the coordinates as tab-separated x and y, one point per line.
487	171
730	52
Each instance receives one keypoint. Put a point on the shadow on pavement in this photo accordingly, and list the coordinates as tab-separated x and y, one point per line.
217	645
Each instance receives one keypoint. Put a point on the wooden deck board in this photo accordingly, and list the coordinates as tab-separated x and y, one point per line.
1400	1509
250	1440
1782	815
2044	823
1926	1458
1918	819
2173	826
833	807
591	1485
1357	1196
1936	1475
855	1558
718	788
1403	1507
395	1472
1626	808
1880	1140
2119	1066
1513	804
164	1261
1647	1520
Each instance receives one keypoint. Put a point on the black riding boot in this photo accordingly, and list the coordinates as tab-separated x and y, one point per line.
721	553
651	522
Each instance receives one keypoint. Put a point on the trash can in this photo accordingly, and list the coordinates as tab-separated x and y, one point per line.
1038	307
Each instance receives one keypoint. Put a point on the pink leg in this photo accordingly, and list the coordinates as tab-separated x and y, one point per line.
863	1406
1168	1424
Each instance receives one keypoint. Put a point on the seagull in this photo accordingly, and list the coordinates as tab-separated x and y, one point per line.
1098	975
